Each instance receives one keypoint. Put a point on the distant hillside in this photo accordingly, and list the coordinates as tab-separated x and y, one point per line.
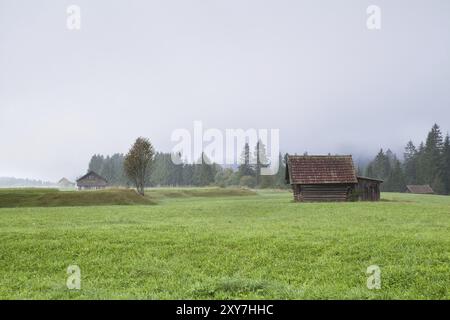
9	182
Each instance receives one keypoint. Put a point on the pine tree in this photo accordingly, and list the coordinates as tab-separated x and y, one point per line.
387	167
96	163
280	181
396	180
410	163
380	167
432	159
446	164
188	174
158	174
261	162
177	172
203	172
245	167
107	170
370	171
420	164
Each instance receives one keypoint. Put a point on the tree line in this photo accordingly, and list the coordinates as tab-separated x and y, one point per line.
427	163
10	182
164	172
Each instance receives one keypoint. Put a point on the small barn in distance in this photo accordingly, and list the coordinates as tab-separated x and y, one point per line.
329	178
65	183
91	181
420	189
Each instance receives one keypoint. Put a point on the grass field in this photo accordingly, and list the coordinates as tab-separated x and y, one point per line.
226	244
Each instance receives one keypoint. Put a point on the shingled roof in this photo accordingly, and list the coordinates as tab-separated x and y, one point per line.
420	189
320	170
92	179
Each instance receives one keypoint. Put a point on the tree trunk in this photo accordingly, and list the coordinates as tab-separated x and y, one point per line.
140	189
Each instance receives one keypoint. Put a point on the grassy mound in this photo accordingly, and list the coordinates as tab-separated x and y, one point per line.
14	198
213	192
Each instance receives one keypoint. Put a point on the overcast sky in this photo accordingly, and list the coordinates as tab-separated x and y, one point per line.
145	68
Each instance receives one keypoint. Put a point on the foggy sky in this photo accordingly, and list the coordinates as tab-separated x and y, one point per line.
145	68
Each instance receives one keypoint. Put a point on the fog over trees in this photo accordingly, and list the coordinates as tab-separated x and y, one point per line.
11	182
426	163
164	172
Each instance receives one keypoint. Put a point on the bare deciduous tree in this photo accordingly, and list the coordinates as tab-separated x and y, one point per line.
138	161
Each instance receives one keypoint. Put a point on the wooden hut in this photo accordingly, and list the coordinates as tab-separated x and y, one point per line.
368	189
420	189
91	181
328	178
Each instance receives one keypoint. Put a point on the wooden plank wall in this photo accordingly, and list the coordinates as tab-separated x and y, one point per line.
321	192
368	190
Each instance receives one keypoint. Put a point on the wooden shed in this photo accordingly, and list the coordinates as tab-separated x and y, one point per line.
368	189
91	181
328	178
419	189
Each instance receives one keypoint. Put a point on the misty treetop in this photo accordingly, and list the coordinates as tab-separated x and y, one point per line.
429	163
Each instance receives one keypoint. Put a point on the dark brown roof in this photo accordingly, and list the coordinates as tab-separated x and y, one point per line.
321	170
420	189
92	179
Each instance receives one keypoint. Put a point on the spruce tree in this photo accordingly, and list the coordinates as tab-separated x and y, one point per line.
380	167
410	163
446	164
203	172
245	167
261	161
280	181
432	159
420	164
177	174
396	180
387	167
96	163
188	174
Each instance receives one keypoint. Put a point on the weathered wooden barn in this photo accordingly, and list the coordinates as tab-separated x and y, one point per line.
420	189
91	181
329	178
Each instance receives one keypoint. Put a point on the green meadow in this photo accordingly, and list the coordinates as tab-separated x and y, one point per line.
214	243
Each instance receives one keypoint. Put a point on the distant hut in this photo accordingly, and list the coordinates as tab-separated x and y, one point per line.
328	178
420	189
91	181
65	183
